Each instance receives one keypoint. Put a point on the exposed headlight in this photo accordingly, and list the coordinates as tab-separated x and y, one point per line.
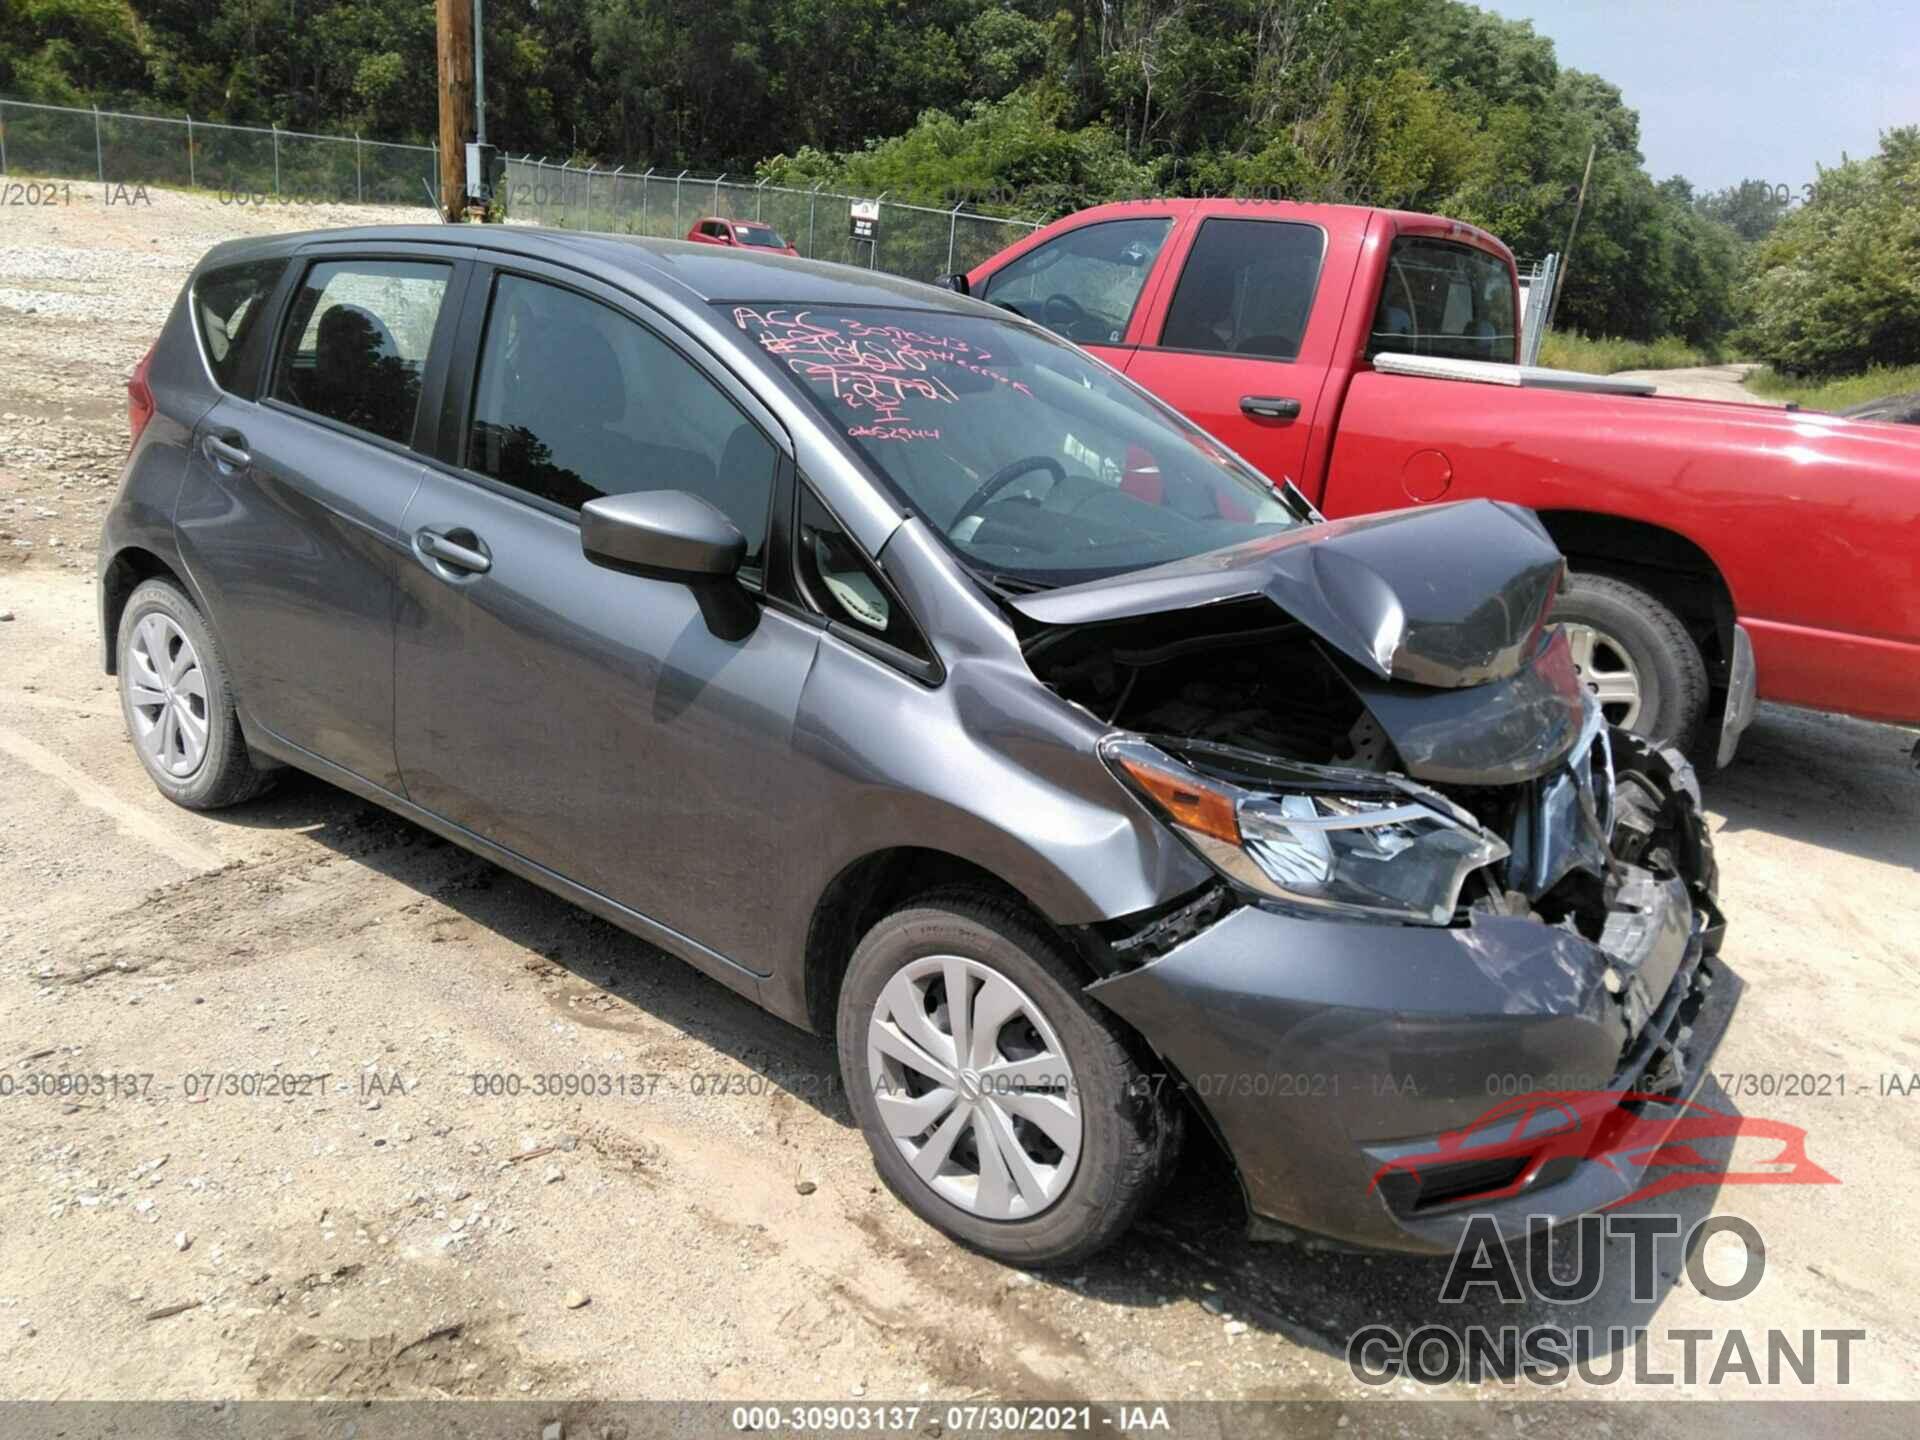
1394	854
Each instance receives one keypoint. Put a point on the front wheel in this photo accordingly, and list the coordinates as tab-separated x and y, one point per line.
1634	657
1001	1105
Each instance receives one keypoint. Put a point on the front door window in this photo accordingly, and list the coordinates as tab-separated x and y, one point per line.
1084	284
574	400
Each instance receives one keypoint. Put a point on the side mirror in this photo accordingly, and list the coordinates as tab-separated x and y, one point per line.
671	535
956	282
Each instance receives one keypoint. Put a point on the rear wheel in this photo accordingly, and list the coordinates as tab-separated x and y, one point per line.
178	704
1001	1105
1634	657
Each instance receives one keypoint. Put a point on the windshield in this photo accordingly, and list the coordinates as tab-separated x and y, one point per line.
1038	464
759	235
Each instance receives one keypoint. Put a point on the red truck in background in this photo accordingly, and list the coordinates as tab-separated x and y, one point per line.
1369	356
751	234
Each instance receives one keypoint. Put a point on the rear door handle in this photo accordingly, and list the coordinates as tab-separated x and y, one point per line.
1270	407
453	554
229	451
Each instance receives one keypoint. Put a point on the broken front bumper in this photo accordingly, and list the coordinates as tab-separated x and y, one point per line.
1323	1053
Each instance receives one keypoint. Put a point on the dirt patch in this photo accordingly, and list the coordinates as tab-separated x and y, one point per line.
1704	382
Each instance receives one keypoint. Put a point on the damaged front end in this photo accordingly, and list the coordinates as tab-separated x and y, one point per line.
1367	719
1443	879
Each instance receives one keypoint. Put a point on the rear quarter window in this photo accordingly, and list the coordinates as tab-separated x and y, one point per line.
228	308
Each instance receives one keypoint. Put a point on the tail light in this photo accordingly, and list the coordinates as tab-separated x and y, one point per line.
139	397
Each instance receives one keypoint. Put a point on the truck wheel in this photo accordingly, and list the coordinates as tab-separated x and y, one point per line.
1636	658
178	705
1001	1105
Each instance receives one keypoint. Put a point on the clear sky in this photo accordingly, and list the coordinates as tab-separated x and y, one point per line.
1732	90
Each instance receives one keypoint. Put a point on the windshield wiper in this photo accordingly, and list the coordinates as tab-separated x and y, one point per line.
1010	585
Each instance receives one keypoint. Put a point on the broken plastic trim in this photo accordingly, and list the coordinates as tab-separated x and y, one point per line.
1567	820
1114	946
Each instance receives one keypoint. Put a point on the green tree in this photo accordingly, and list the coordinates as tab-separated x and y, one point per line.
68	52
1750	209
1835	287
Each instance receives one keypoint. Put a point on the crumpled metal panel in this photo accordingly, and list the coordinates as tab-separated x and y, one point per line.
1447	597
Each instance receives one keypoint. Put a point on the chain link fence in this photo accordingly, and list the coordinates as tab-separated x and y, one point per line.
275	166
916	241
262	166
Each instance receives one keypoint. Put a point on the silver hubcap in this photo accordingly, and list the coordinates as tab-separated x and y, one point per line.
974	1087
166	696
1608	672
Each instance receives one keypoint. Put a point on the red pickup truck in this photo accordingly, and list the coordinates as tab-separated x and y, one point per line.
1369	356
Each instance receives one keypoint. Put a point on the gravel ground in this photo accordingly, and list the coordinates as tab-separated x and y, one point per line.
718	1230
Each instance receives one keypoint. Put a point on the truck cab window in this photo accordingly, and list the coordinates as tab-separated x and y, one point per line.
1443	298
1082	285
1247	289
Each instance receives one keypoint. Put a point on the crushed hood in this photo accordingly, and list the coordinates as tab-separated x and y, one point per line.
1447	596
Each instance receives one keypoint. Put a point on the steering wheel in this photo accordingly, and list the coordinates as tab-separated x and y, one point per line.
1004	477
1064	312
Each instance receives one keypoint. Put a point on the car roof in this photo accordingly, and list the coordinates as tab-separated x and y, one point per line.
692	272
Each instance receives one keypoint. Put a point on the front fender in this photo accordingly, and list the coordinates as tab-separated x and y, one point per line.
988	767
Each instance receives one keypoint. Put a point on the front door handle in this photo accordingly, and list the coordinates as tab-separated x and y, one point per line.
453	553
1270	407
229	451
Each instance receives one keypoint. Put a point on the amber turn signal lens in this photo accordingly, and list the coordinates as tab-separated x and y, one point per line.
1188	801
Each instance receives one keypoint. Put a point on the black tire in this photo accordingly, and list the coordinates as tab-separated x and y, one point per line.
1131	1127
1663	824
1671	671
226	774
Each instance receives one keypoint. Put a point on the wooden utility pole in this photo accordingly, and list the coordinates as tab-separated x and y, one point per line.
1560	280
455	20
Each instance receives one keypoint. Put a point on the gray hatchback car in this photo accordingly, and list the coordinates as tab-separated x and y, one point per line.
918	677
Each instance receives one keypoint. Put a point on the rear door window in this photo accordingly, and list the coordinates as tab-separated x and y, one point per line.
228	304
1247	289
357	340
1083	284
1443	298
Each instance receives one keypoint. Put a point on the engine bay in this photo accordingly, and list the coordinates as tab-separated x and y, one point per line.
1239	674
1242	693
